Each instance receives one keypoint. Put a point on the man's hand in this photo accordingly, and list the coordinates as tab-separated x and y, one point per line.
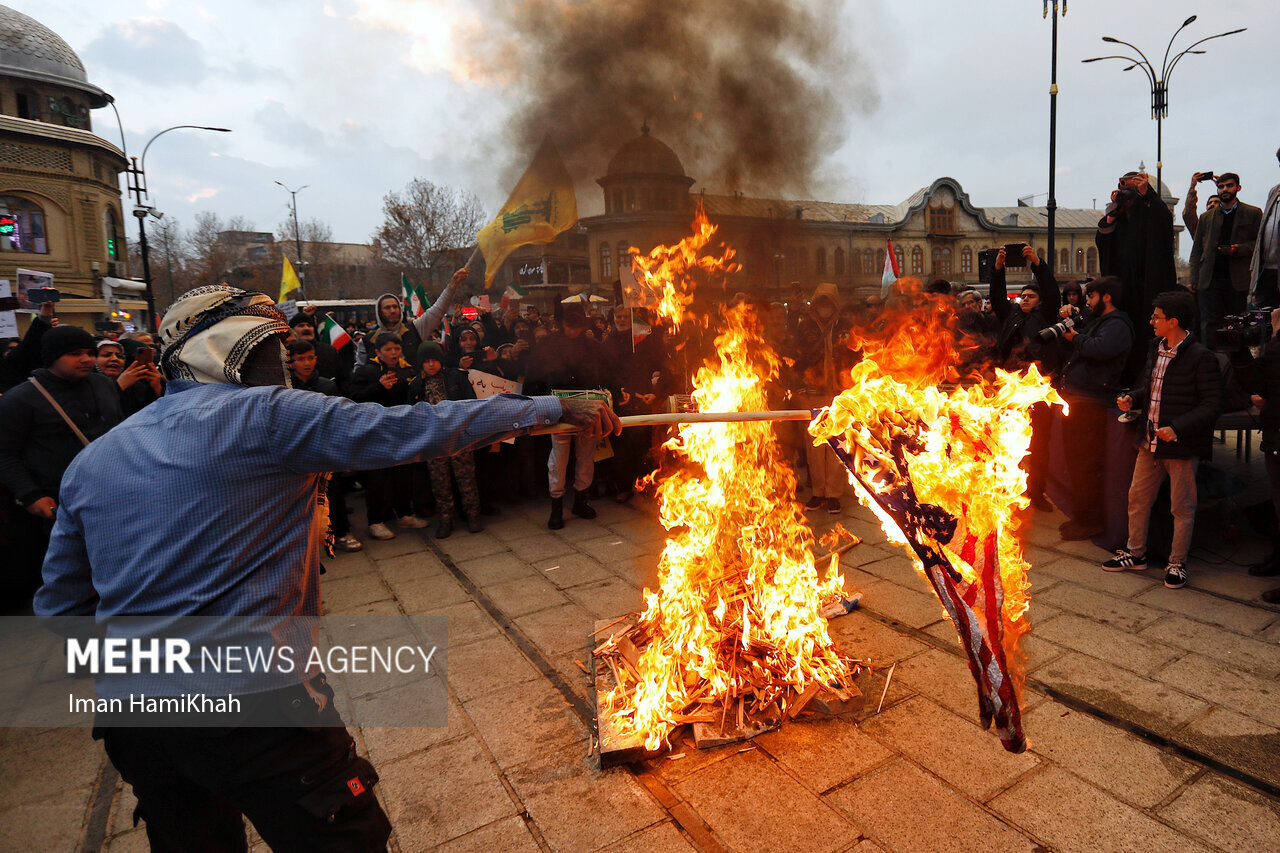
1257	401
309	310
490	354
465	362
591	417
1229	250
459	276
46	310
389	379
1124	403
1166	434
1030	254
1141	182
43	508
133	373
1000	259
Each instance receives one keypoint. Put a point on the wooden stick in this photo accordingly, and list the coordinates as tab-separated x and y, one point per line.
885	692
661	418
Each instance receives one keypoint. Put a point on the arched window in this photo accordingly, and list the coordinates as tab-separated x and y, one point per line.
839	261
1080	261
966	261
22	226
942	262
606	261
114	246
28	104
820	260
902	260
879	261
1091	261
917	261
1064	263
869	261
624	255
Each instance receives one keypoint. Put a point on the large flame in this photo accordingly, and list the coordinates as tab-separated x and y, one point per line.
734	623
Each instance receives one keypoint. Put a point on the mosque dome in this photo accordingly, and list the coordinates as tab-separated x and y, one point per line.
645	155
31	51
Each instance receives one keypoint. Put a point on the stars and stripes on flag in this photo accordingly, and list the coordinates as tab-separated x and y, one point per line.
414	298
288	279
891	272
975	606
332	333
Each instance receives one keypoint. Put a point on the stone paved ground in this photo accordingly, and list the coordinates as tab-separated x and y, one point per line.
1152	714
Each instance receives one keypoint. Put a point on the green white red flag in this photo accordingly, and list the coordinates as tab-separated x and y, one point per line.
414	298
332	333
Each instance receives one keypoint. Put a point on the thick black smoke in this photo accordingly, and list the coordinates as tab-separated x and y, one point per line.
751	94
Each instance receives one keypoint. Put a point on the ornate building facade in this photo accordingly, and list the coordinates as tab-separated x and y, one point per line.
60	203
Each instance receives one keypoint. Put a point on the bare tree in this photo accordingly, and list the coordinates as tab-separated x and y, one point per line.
423	221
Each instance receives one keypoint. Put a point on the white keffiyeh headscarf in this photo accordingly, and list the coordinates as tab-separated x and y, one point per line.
207	335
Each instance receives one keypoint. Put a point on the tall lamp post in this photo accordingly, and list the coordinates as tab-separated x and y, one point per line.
138	187
297	235
1159	80
1051	207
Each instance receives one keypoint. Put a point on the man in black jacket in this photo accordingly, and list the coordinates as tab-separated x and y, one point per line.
37	444
1092	375
1220	254
1182	389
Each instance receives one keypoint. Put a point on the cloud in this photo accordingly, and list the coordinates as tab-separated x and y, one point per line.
150	49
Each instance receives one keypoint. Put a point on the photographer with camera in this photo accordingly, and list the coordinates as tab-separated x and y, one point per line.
1265	394
1220	255
1183	391
1096	357
1190	214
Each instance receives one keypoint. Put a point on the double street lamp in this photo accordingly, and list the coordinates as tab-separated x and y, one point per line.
297	235
138	188
1159	79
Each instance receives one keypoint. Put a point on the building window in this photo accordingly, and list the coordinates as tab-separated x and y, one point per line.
1064	262
942	262
606	261
631	199
966	260
113	237
942	220
917	261
839	261
624	255
820	260
67	112
879	261
1091	261
28	105
1080	261
902	260
22	226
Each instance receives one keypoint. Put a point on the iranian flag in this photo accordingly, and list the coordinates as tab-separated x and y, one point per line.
639	330
891	272
414	297
333	333
513	293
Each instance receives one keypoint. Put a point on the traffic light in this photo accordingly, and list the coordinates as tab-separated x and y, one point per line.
111	249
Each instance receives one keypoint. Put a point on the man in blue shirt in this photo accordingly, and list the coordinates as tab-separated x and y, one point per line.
234	534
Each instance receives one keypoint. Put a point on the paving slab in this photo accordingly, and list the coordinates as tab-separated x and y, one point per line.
1121	693
512	528
1226	813
894	566
485	666
1248	694
931	817
1107	643
861	636
441	793
1241	652
78	759
1119	613
1067	813
572	569
577	807
1092	575
387	743
961	753
53	823
407	567
428	592
944	678
660	838
463	547
344	593
366	624
1232	581
524	721
910	607
509	835
607	599
1132	769
823	753
754	806
526	595
560	630
1240	742
539	546
611	548
495	568
467	622
1203	607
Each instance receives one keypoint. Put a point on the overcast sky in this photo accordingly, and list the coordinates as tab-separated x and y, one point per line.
354	98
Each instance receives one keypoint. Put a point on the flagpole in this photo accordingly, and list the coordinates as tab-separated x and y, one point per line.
662	418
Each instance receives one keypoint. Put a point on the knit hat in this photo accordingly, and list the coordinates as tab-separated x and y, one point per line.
301	317
430	349
61	340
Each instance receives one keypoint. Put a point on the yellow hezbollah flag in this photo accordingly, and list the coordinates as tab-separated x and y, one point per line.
288	279
541	206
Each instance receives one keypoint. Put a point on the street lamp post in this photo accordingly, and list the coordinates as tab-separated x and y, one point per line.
297	235
1051	207
138	187
1159	80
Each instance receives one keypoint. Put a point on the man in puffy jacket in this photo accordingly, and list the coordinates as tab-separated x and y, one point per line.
1182	389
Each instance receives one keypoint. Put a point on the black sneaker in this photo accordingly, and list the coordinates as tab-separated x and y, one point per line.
815	502
1125	560
833	506
1175	576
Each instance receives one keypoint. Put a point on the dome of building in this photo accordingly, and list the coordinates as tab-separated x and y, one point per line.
31	51
645	155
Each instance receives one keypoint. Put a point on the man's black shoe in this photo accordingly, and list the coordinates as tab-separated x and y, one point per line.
1272	596
1041	503
1072	531
474	525
445	530
556	521
580	506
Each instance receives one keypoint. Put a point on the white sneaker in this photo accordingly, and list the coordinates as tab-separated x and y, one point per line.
381	531
348	543
412	522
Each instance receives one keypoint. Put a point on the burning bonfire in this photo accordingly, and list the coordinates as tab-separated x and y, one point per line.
733	637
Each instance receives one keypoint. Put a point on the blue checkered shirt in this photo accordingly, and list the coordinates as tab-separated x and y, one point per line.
203	504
